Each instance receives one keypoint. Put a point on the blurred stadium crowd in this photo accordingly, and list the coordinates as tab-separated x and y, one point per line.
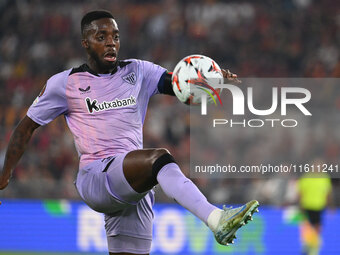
293	38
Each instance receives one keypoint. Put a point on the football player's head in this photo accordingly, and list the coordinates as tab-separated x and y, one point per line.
100	38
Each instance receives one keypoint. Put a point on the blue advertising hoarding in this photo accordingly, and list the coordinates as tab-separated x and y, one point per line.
65	226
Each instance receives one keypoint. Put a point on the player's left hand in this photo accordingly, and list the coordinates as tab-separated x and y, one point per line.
230	76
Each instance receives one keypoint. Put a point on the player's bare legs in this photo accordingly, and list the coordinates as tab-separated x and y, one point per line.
137	167
143	169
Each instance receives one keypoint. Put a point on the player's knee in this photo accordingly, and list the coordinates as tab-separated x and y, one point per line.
161	157
156	154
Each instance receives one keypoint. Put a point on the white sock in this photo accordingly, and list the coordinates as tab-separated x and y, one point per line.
214	218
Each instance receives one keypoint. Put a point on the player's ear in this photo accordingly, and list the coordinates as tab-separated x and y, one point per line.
85	43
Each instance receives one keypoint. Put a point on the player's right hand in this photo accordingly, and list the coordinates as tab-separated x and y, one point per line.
4	179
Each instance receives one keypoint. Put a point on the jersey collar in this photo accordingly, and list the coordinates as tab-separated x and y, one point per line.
86	68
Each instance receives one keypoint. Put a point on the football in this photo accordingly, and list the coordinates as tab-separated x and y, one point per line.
194	76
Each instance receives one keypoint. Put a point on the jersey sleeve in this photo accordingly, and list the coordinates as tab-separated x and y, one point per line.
152	73
51	102
328	185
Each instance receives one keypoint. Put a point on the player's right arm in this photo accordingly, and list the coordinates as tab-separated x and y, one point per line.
50	103
16	147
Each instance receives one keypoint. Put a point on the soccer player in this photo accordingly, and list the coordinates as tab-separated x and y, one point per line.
104	103
315	193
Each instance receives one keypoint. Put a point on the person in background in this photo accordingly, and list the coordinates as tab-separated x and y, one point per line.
315	193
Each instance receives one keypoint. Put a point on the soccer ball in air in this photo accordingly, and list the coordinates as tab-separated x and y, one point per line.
194	76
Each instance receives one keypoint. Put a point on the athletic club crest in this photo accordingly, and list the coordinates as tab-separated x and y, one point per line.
130	78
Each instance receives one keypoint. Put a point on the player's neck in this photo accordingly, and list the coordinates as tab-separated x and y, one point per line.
100	69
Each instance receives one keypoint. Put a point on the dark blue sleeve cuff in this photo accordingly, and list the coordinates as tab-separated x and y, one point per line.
164	84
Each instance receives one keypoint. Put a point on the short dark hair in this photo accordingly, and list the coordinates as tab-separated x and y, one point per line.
94	15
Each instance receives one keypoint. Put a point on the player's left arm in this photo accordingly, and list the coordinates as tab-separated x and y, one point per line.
165	84
230	76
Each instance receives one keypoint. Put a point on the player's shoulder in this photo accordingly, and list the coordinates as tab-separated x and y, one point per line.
128	63
59	78
135	61
131	65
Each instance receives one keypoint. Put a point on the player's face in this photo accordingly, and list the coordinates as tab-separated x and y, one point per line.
102	44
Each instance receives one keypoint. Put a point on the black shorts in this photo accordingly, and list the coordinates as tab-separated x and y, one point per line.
314	217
